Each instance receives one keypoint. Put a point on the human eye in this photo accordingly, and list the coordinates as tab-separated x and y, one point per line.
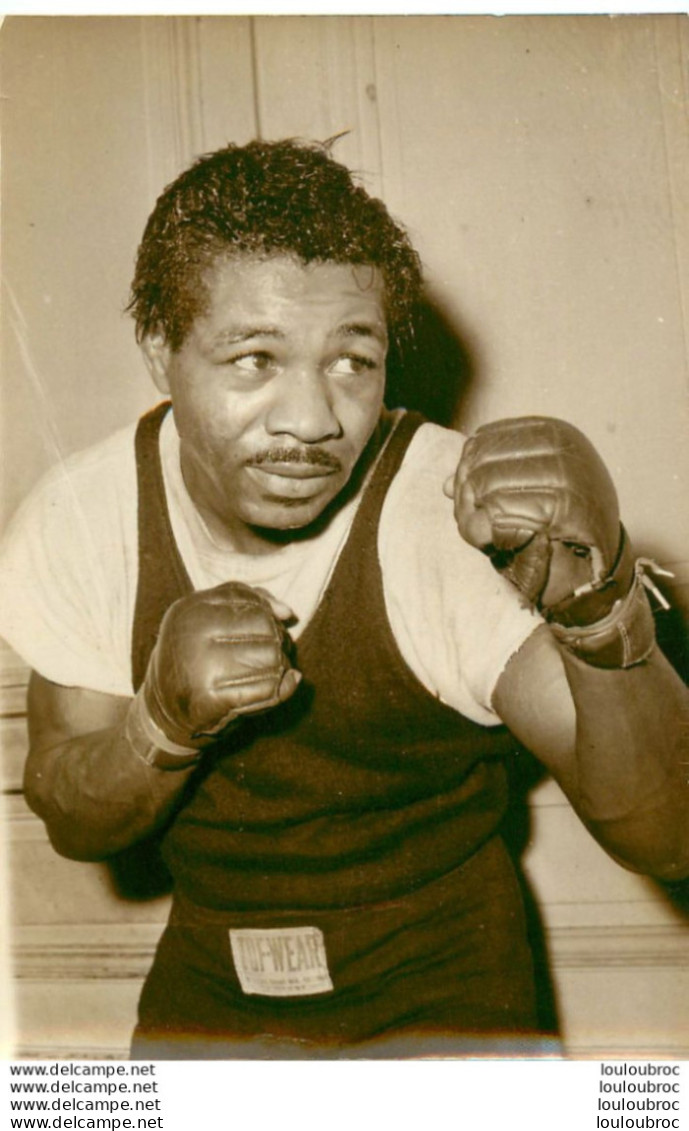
256	362
352	365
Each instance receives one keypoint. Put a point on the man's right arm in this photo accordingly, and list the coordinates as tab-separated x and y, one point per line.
104	771
94	792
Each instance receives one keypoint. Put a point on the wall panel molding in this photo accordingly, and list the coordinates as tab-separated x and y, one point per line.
612	947
671	42
171	63
316	78
88	952
79	953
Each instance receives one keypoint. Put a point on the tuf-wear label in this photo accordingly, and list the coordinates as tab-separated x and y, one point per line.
281	962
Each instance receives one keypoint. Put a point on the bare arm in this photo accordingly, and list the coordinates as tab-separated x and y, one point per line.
617	742
104	771
590	693
96	795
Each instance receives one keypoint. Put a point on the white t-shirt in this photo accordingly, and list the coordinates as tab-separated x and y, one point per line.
69	570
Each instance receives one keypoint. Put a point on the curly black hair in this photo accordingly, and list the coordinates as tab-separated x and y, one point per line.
265	198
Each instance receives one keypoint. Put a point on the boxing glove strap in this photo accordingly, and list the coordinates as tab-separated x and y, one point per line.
626	636
151	744
592	602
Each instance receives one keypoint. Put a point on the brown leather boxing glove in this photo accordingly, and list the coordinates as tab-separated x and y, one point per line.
221	653
533	493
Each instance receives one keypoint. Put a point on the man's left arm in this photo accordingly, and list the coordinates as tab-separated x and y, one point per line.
589	693
615	740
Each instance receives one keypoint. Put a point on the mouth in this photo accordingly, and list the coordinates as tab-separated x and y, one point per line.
288	470
291	482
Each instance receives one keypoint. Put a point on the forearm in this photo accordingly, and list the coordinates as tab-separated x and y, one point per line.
97	796
106	770
590	693
631	769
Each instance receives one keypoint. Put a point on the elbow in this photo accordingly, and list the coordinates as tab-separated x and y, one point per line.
37	795
67	835
75	847
653	841
673	871
666	864
78	843
670	862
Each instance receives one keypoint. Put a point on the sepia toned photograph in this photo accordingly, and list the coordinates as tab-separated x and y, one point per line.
344	569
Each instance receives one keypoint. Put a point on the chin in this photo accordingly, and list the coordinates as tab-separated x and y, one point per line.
294	516
290	518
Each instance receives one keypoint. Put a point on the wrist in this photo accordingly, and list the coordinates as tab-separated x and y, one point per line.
592	602
150	743
625	635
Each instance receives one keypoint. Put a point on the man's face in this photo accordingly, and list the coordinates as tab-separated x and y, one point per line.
276	390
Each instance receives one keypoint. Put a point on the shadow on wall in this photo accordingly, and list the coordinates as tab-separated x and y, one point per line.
672	631
434	370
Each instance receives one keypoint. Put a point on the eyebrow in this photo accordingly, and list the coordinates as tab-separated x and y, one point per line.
346	330
362	330
235	337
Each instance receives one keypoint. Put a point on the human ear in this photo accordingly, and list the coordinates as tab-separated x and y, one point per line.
156	353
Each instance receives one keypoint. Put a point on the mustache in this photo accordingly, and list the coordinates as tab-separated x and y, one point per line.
315	457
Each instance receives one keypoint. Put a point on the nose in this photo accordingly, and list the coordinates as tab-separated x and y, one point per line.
303	407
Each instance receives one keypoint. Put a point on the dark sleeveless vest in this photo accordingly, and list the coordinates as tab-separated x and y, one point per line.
363	786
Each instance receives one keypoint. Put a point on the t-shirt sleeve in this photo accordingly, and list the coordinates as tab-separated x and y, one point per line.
456	621
64	598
